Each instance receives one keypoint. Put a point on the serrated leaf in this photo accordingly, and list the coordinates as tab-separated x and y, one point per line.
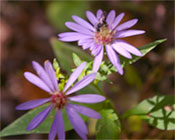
64	52
108	127
158	111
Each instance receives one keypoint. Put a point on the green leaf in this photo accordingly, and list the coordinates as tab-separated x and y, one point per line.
108	127
144	49
64	52
19	126
158	111
76	59
59	12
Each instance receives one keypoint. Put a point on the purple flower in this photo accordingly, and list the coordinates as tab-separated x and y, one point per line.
61	99
103	31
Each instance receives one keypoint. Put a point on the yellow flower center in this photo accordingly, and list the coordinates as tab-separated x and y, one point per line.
104	35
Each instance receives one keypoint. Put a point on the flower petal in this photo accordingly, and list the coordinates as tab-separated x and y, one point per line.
78	28
117	20
127	33
128	47
86	43
127	25
60	127
35	122
82	22
74	76
54	128
121	51
110	18
96	49
43	75
86	111
72	36
113	57
99	13
52	75
76	121
87	98
57	127
91	17
82	83
32	104
36	81
98	60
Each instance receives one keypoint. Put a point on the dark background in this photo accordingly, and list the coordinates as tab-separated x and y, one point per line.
26	28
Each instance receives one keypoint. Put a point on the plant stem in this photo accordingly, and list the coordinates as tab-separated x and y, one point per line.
99	90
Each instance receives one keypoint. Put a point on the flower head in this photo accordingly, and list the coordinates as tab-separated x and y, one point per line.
103	31
61	99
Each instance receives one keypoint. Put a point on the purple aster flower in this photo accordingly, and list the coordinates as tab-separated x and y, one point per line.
61	99
103	31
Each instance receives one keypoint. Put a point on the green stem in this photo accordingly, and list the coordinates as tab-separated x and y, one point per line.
102	93
99	90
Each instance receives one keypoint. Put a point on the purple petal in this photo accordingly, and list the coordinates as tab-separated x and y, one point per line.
128	47
91	17
35	122
76	121
96	49
113	57
83	23
32	104
121	51
87	98
127	25
36	81
72	36
128	33
82	83
110	18
117	20
86	43
86	111
99	13
52	75
86	46
43	75
54	128
74	76
76	27
57	127
98	60
60	127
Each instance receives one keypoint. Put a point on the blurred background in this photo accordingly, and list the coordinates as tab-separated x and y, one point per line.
25	32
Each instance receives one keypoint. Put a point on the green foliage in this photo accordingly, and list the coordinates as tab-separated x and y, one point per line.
64	52
158	111
19	126
108	127
58	12
144	49
76	59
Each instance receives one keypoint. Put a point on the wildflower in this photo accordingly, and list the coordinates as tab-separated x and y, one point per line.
61	99
103	31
